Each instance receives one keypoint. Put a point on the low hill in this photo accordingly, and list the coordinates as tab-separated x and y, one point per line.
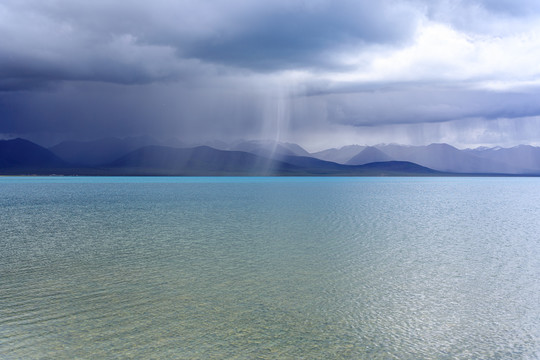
397	168
311	166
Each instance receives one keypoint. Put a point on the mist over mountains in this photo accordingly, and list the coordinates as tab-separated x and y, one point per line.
523	159
147	156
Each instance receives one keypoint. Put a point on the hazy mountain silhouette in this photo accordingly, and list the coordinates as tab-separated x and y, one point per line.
216	144
369	155
518	159
308	162
523	159
201	160
341	155
440	157
444	157
388	168
204	160
99	151
269	148
20	156
24	157
23	154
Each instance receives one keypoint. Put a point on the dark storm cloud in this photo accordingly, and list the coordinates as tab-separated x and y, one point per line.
297	35
229	67
50	41
137	42
95	109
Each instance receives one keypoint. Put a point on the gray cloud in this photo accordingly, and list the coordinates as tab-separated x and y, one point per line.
203	69
432	104
514	8
140	42
296	35
488	17
93	110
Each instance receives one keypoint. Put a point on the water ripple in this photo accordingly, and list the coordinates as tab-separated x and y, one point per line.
343	268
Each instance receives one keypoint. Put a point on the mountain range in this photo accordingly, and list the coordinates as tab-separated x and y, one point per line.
522	159
146	156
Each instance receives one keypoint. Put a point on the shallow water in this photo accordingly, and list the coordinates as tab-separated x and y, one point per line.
366	268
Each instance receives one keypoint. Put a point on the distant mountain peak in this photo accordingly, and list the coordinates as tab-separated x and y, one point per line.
341	155
20	156
369	155
442	146
270	148
24	154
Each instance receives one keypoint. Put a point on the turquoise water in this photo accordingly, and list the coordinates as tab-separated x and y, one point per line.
269	268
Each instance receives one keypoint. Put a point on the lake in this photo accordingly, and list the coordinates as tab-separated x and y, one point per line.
269	268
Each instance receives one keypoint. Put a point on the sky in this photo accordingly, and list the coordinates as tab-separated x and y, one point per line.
319	73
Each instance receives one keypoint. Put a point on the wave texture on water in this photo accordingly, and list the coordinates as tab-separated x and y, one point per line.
369	268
